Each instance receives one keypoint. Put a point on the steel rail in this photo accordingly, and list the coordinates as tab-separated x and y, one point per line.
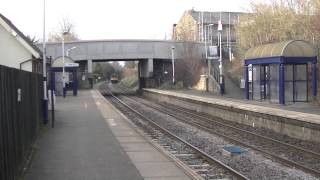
251	133
199	151
280	159
317	155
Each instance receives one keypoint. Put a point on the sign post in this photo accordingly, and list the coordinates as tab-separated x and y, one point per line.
221	79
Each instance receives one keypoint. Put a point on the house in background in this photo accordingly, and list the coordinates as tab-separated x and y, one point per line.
202	26
16	50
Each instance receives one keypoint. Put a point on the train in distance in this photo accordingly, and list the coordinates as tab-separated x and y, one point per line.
114	79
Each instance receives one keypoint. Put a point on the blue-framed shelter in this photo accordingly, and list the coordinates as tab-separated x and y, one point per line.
69	67
280	71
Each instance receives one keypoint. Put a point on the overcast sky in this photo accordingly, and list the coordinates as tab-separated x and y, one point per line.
110	19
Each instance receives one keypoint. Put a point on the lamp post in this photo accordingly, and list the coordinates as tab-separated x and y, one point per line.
221	79
172	56
205	41
44	66
230	40
70	49
63	67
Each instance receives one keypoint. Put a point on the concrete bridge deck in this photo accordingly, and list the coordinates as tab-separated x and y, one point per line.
124	50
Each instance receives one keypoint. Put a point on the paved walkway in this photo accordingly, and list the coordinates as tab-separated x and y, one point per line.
298	106
152	164
304	114
91	141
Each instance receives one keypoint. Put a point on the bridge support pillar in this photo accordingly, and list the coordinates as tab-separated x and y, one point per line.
146	68
90	77
145	73
83	74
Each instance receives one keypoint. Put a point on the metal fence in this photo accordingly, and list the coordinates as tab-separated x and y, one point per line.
20	116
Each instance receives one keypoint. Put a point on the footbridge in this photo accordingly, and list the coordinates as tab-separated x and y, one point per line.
152	55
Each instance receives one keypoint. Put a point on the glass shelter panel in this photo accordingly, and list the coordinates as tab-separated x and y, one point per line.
264	82
301	82
301	91
301	72
250	80
256	83
274	82
288	83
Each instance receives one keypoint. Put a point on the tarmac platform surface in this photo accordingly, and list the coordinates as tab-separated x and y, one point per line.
93	141
305	112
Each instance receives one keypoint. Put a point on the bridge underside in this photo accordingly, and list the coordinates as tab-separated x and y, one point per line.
151	72
154	56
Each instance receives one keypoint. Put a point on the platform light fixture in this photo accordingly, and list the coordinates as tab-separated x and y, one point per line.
172	56
70	49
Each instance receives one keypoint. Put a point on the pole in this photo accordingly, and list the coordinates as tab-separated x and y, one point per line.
205	41
230	53
202	29
63	69
220	66
221	79
206	48
52	96
220	58
172	55
208	59
44	67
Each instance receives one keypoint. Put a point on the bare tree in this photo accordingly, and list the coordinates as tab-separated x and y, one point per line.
189	67
129	64
33	39
279	20
67	29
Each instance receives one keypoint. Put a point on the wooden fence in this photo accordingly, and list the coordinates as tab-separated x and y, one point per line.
21	114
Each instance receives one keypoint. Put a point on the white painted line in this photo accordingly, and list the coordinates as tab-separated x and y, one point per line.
111	122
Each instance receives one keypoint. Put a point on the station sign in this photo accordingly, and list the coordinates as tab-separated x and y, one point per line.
71	65
212	52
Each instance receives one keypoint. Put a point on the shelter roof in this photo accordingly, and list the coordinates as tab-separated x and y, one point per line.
292	48
58	62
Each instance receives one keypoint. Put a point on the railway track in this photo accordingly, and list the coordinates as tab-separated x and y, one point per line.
285	153
203	164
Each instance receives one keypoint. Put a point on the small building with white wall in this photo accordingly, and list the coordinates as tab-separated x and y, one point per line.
16	50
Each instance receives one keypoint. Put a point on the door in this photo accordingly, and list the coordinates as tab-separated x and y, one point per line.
260	82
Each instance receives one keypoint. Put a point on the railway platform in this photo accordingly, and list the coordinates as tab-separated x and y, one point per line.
93	141
300	121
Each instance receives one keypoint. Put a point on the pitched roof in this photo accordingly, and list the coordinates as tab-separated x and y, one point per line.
214	17
34	50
